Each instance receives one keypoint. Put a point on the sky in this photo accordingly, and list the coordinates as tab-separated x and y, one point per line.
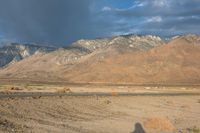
61	22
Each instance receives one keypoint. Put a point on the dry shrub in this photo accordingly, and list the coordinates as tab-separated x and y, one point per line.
114	94
159	123
194	130
15	88
36	97
64	90
107	101
10	89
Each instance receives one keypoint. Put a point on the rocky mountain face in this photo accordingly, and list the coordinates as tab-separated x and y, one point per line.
122	59
13	52
121	42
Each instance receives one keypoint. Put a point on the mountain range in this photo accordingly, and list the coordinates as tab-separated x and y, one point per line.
127	59
14	52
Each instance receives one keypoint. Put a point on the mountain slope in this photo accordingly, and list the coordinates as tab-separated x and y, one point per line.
149	60
175	62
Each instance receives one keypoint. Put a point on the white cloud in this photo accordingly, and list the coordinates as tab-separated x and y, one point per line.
181	18
195	17
155	19
135	5
160	3
141	3
106	8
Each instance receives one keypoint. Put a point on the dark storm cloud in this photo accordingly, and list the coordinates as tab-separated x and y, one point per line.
54	21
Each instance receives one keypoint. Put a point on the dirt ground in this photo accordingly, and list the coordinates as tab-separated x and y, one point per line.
92	114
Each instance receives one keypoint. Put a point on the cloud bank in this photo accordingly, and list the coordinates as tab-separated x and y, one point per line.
64	21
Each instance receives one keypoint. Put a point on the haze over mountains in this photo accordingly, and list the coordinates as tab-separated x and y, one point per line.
122	59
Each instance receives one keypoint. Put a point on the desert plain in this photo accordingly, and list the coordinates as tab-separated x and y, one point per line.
74	108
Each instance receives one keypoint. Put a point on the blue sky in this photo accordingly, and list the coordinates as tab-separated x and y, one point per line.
62	22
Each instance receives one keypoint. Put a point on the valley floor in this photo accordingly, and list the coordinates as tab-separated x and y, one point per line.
102	114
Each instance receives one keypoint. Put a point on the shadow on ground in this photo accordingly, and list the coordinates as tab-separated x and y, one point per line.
138	128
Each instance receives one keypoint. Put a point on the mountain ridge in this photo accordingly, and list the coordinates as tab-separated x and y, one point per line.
157	61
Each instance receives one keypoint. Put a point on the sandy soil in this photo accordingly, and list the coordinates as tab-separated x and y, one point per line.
116	114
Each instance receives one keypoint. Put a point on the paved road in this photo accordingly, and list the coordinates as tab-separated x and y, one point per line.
29	81
48	94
